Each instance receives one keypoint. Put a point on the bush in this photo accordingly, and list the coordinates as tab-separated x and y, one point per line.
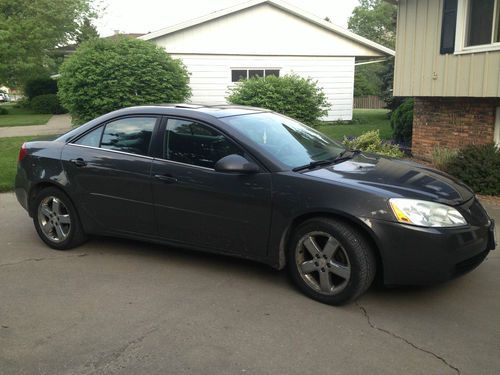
478	167
402	122
107	74
3	111
371	142
442	156
40	86
47	104
23	103
291	95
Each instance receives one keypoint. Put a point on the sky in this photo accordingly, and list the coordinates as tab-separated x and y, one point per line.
142	16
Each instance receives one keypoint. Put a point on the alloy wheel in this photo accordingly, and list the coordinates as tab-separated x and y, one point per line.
323	263
54	219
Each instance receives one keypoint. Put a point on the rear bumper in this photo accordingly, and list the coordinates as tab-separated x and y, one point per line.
423	256
22	188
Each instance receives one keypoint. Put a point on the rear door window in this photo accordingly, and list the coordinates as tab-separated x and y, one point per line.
131	134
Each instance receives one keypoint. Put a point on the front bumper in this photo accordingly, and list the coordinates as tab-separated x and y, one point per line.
414	255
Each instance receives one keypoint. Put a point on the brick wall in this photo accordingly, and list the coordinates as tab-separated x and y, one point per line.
452	123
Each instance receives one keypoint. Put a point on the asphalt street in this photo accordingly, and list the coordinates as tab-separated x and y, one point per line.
124	307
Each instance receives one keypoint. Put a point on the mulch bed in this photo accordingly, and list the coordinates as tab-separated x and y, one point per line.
491	199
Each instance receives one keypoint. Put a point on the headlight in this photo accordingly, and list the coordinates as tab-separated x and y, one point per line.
425	214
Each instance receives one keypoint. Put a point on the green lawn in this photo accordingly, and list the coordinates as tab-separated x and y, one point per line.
363	120
9	150
22	117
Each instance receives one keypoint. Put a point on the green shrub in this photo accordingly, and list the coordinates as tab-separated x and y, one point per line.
23	103
478	167
291	95
3	111
40	86
107	74
371	142
48	103
442	156
402	122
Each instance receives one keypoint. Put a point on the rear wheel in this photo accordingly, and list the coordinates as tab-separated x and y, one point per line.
330	261
56	220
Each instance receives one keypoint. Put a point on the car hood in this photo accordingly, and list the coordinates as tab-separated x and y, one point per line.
396	178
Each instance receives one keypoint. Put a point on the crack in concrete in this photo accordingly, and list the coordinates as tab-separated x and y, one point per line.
372	325
105	362
41	259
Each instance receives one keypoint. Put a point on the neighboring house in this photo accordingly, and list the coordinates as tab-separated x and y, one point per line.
261	38
448	58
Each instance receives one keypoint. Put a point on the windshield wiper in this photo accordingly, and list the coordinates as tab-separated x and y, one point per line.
314	164
338	159
342	156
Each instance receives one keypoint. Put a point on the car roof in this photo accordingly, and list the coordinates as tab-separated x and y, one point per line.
215	110
201	112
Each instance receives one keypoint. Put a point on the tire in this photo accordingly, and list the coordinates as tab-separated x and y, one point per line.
56	220
330	261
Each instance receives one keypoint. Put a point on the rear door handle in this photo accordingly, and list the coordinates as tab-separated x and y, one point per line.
168	179
79	162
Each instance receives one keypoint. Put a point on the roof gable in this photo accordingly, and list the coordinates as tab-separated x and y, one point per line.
240	21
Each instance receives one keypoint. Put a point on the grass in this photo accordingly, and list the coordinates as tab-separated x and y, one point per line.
363	120
9	151
22	117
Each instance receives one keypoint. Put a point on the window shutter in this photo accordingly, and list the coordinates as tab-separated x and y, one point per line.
449	26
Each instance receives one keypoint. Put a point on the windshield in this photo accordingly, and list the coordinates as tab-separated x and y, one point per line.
289	141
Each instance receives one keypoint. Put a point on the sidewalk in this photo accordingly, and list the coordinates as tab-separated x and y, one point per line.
57	124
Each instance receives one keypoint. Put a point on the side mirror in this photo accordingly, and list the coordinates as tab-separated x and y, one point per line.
236	164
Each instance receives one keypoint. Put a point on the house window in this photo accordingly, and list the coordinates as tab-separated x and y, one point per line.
482	22
470	26
239	74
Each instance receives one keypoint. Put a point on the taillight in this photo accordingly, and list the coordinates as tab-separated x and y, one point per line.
23	151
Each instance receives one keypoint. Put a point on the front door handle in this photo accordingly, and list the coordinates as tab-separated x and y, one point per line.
79	162
168	179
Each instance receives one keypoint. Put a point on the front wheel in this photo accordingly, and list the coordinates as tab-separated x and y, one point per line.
330	261
56	220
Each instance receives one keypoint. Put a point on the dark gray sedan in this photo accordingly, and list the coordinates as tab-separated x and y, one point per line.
252	183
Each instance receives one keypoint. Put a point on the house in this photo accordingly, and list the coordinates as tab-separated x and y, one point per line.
267	37
448	58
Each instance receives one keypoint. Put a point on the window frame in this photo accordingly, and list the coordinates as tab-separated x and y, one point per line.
162	133
248	69
150	153
462	30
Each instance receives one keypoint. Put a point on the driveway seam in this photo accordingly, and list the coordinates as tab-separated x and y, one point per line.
40	259
372	325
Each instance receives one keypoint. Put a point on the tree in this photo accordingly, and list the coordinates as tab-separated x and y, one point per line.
368	80
107	74
375	20
29	32
87	31
291	95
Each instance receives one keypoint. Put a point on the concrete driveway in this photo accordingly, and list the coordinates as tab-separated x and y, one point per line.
114	306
